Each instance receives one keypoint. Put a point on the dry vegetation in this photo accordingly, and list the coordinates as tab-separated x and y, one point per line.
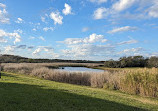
143	81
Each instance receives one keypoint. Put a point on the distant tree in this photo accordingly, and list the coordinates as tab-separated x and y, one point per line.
131	61
18	59
153	62
30	60
123	62
111	63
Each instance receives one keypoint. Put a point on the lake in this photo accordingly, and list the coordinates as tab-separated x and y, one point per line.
80	69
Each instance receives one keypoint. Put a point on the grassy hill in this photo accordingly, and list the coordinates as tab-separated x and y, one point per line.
25	93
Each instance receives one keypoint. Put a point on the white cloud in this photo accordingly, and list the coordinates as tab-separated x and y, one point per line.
14	35
37	51
98	1
2	5
13	49
9	49
100	13
17	38
56	17
42	48
87	51
48	28
132	51
34	29
19	20
45	52
3	40
140	9
122	29
43	19
121	5
86	48
3	14
67	9
18	31
85	29
31	37
91	39
153	10
42	38
128	42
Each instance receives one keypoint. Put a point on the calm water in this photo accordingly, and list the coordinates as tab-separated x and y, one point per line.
80	69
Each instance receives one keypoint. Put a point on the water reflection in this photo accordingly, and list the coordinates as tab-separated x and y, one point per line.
80	69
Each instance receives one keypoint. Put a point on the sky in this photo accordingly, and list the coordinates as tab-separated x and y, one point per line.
79	29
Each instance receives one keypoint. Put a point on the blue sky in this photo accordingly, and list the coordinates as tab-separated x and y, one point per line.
79	29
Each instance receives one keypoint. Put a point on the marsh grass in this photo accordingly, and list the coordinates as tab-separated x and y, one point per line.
140	81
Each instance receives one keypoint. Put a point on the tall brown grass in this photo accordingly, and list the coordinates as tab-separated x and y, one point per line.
141	81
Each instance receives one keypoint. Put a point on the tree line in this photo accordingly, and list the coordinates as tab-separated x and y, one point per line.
132	61
18	59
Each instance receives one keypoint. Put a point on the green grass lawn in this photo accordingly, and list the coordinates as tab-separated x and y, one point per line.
25	93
